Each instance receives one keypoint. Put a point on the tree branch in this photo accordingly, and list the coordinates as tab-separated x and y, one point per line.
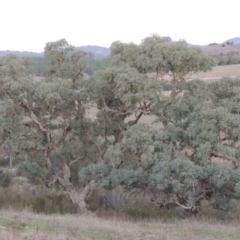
35	120
76	160
214	154
64	135
130	123
182	206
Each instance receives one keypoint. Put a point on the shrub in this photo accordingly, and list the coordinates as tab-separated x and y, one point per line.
54	203
4	162
205	210
10	198
5	179
37	200
128	205
116	199
149	212
236	211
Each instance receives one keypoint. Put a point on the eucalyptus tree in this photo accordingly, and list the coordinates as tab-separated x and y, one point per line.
195	154
47	119
159	162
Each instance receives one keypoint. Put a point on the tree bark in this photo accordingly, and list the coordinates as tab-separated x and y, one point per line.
78	198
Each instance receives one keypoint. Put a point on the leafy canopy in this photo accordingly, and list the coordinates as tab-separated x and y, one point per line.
174	161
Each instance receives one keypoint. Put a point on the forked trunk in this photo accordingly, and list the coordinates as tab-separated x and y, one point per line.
78	198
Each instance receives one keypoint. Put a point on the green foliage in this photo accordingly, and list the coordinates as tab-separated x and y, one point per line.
161	55
40	66
64	61
178	161
203	125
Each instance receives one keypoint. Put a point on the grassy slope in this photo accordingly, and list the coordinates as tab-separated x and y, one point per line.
218	49
26	225
218	72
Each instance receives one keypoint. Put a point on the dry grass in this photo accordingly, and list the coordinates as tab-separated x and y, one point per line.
30	226
219	72
218	49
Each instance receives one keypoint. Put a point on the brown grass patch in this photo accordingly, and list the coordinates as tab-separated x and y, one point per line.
27	225
218	49
218	72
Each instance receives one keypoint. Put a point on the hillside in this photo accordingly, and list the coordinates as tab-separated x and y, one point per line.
235	40
98	52
222	48
218	49
103	52
21	54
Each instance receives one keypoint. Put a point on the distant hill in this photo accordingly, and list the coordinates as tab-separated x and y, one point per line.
235	40
21	54
194	45
98	52
220	49
104	52
231	45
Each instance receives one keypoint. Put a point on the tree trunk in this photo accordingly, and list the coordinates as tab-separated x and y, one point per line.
78	198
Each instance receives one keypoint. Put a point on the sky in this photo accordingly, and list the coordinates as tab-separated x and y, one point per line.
27	25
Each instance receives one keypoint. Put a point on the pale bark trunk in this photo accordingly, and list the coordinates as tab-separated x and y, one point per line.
78	198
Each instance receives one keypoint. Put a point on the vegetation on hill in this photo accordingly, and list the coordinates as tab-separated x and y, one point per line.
21	54
98	52
235	40
100	59
228	59
94	65
226	53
